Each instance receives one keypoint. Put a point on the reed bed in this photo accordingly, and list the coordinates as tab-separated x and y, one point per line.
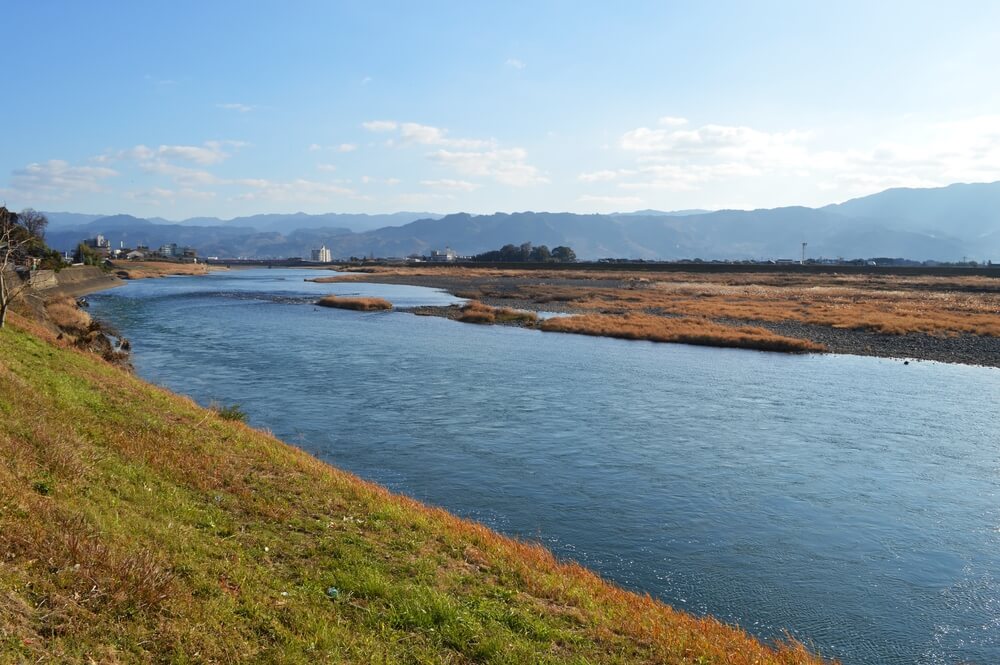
888	304
684	331
477	312
152	269
356	303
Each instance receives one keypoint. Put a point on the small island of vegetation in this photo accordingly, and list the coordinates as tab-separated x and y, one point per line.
357	303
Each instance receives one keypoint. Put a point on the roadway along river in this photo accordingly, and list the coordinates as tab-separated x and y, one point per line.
851	501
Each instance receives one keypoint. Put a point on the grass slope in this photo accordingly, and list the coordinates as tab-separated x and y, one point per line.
136	526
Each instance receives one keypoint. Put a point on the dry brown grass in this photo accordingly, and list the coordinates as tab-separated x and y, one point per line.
151	269
886	304
64	313
684	331
477	312
356	303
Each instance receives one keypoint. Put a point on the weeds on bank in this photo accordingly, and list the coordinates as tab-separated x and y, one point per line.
356	303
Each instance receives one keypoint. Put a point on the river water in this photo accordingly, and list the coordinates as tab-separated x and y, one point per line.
852	502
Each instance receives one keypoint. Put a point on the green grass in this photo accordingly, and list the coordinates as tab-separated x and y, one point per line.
136	526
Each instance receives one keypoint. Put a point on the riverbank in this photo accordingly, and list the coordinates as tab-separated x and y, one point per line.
152	269
136	525
73	282
951	319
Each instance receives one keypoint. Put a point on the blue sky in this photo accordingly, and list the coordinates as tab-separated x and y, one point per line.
213	108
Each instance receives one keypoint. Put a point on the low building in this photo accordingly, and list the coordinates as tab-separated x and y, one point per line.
447	256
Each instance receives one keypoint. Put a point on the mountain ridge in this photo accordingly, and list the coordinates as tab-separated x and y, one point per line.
945	223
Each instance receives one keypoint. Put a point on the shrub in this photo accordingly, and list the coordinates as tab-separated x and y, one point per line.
231	412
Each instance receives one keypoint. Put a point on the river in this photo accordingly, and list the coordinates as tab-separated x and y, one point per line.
852	501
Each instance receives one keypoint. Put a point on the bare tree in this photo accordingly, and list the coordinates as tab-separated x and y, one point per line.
33	222
13	240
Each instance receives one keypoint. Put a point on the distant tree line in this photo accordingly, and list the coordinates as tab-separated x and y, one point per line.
527	253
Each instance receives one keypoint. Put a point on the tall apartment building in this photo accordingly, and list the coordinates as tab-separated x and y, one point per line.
321	255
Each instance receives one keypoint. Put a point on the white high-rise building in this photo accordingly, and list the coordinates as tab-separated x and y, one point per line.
321	255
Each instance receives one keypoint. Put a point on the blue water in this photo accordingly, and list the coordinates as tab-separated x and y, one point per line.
853	502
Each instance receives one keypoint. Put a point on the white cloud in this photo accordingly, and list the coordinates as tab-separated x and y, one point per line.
366	80
607	201
210	152
328	168
234	106
343	147
714	142
422	198
605	175
299	190
415	133
449	184
515	63
372	180
160	195
380	125
507	166
478	157
676	157
57	179
672	121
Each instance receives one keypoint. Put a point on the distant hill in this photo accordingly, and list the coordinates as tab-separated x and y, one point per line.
956	211
300	220
946	223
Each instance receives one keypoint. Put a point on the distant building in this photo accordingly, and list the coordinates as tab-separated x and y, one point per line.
100	245
447	256
168	251
321	255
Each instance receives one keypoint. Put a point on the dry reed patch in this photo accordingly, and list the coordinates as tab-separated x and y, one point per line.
150	269
64	313
477	312
684	331
356	303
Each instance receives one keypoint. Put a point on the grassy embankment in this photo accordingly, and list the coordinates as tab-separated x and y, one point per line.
357	303
150	269
136	526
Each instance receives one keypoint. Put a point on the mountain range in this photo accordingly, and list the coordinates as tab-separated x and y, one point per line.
946	224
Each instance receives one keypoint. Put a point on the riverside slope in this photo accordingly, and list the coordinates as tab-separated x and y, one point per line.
135	526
